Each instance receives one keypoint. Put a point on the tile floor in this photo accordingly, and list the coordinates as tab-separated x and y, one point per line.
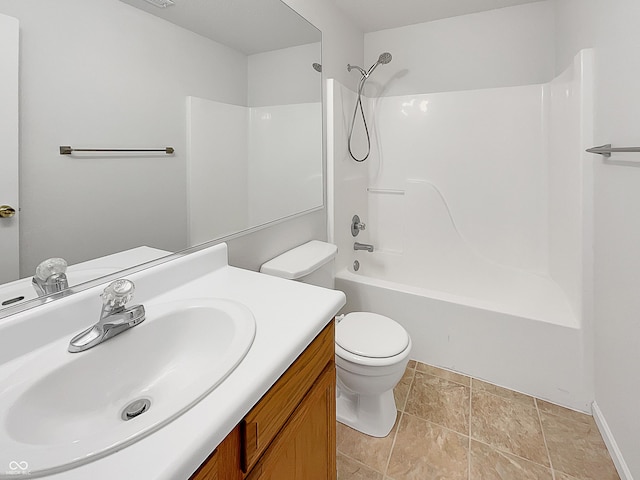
452	427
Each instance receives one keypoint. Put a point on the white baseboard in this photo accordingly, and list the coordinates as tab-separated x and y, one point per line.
610	442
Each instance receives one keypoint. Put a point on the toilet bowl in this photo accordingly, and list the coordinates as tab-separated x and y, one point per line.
372	351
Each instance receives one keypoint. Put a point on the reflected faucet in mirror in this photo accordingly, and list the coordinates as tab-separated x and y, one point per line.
51	276
114	318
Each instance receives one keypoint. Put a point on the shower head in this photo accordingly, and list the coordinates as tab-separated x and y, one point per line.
317	67
384	58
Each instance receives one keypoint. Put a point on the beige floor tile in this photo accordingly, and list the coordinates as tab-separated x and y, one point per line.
442	373
563	476
411	364
488	463
439	401
508	425
554	409
371	451
577	449
401	390
349	469
425	451
479	385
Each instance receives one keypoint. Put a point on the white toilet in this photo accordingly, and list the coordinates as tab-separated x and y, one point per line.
372	351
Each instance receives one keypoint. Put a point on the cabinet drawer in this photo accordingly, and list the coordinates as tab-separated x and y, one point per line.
265	420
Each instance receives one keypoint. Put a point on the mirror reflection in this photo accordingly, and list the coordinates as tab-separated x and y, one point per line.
230	85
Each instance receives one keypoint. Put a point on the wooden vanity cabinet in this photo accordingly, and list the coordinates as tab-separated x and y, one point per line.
290	433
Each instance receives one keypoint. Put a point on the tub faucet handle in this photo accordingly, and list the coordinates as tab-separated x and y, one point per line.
357	225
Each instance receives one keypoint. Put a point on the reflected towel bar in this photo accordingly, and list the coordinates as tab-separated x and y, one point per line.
607	150
67	150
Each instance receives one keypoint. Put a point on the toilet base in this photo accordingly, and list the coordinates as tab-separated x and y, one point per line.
372	415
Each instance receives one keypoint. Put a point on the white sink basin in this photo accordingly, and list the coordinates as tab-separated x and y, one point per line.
64	409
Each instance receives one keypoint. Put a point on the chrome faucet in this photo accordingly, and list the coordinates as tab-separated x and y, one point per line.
114	318
363	246
50	276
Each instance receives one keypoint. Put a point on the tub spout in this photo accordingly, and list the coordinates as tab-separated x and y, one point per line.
363	246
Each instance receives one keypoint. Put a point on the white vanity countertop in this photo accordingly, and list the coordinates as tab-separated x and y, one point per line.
288	317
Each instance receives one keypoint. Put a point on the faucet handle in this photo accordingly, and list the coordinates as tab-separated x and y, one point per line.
356	225
51	266
118	293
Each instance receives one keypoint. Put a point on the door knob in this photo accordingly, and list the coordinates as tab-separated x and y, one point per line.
6	211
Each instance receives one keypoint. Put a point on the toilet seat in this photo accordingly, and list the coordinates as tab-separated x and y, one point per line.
366	334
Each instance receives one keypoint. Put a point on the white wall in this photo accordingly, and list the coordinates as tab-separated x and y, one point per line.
574	29
617	226
497	48
611	26
286	76
342	41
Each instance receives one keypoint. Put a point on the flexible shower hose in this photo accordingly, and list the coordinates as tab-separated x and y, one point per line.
364	120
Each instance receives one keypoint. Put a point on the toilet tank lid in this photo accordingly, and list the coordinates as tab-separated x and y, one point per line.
300	261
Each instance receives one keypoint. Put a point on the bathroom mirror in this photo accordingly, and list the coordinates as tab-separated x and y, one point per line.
230	85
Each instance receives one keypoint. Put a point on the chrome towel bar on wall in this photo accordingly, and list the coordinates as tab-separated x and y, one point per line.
67	150
607	150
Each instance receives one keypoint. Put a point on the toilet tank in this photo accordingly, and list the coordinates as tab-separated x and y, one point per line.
309	263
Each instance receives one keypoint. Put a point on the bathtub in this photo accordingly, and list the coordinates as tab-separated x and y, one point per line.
507	327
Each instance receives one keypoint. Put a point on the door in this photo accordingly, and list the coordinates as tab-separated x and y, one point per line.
8	149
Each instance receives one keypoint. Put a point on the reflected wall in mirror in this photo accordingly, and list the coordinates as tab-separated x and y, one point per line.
229	84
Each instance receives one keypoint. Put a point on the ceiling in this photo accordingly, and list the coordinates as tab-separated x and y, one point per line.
249	26
374	15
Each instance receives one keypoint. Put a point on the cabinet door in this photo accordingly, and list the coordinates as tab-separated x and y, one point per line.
261	425
305	449
224	462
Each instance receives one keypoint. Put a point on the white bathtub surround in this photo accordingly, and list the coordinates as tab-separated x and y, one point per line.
240	178
478	204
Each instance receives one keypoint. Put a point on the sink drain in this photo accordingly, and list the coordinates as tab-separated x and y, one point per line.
136	408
